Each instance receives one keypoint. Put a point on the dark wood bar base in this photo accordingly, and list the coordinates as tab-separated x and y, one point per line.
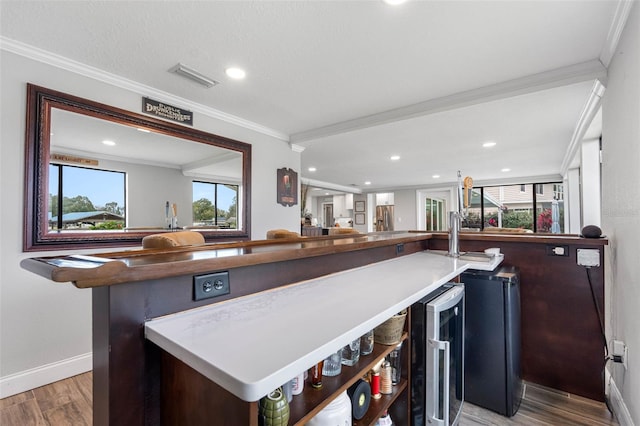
561	340
562	346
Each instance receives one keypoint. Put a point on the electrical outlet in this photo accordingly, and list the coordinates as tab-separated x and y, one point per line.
211	285
619	349
589	257
557	250
399	248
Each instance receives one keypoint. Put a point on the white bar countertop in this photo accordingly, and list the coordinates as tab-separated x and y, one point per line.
253	344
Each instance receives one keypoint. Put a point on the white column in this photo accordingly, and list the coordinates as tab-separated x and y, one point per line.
590	179
572	205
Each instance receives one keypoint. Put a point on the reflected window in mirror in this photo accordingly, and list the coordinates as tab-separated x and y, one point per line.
215	205
89	199
157	160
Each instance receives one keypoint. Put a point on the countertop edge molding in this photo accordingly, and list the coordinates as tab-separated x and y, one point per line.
140	265
525	238
227	342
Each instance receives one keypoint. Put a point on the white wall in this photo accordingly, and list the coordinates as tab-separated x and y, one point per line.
405	210
590	182
45	327
621	212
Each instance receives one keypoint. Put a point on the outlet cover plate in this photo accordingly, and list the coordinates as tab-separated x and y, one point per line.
589	257
211	285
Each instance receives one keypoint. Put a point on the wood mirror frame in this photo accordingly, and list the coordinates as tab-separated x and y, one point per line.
37	236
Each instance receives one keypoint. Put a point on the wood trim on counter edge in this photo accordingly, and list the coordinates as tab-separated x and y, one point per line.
118	272
525	238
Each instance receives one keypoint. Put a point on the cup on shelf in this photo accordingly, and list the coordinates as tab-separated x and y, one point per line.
351	353
366	343
333	364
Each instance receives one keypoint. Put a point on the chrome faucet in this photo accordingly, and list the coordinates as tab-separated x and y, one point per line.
455	220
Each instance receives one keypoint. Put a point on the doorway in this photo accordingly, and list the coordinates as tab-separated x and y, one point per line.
434	214
327	215
432	209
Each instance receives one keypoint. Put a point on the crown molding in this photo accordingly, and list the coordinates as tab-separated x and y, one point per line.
576	73
584	121
615	31
94	73
331	186
296	148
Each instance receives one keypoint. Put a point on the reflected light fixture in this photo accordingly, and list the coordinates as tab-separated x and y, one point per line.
489	144
394	157
367	182
435	176
394	2
506	169
193	75
312	169
108	143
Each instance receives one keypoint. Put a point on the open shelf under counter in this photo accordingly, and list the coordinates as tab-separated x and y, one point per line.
311	401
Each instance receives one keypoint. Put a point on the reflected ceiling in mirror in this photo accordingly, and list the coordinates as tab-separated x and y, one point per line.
160	162
84	136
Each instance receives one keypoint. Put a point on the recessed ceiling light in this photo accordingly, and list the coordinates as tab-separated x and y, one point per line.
394	2
312	169
394	157
326	193
436	176
506	169
367	182
235	73
489	144
109	143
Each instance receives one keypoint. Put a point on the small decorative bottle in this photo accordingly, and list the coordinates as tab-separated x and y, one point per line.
316	375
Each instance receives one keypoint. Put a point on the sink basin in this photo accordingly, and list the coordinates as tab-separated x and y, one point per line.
477	257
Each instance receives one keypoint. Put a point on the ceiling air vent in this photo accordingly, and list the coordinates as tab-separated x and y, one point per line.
194	75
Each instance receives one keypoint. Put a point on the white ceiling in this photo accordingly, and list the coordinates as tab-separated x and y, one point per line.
354	82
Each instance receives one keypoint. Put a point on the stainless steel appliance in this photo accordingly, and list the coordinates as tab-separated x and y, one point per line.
437	359
492	339
384	218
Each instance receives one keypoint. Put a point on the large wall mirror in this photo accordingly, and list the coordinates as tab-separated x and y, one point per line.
99	176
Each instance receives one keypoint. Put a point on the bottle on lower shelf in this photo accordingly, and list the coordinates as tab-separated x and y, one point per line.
385	420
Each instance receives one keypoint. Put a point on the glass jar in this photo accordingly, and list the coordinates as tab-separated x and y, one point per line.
366	343
351	353
333	364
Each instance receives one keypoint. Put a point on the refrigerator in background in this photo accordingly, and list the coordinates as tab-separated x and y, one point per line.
384	218
492	376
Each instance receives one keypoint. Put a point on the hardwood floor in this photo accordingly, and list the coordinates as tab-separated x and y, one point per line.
69	402
543	406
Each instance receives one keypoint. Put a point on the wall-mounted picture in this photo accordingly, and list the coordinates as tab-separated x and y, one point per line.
359	206
287	187
360	219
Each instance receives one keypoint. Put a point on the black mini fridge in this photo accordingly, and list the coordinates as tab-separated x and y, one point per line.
492	376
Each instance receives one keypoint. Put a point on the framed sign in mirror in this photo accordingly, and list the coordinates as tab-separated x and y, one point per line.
99	176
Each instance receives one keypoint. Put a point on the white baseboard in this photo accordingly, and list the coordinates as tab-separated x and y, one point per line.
43	375
616	402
